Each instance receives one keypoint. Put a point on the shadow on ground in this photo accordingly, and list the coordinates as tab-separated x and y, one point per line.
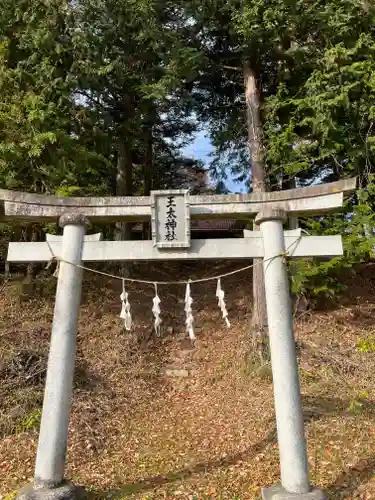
183	474
351	479
315	408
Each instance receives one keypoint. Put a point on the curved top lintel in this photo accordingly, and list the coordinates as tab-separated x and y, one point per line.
28	206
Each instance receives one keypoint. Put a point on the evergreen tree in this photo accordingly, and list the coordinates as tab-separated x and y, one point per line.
41	148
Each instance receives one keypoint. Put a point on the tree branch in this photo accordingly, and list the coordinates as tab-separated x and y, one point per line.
233	68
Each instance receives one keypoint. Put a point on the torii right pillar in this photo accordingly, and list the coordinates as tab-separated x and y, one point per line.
295	483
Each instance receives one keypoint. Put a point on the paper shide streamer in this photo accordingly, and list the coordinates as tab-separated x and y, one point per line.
189	313
156	311
221	302
57	270
125	309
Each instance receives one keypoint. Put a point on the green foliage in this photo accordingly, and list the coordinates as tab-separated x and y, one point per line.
315	278
330	119
95	90
78	79
11	495
355	224
40	144
358	404
366	345
31	422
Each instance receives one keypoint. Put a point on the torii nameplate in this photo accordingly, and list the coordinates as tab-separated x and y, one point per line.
170	218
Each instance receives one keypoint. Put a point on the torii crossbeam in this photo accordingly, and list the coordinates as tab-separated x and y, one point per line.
310	200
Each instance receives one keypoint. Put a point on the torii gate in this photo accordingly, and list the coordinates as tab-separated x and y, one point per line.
170	213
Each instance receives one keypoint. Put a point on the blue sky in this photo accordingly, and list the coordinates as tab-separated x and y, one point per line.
201	148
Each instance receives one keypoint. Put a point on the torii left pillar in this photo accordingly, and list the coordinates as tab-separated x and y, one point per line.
49	483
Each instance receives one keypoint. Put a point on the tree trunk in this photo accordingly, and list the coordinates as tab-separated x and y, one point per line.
290	183
260	344
148	177
124	187
7	270
32	236
124	184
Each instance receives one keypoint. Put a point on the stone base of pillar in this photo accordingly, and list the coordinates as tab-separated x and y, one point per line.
277	492
66	491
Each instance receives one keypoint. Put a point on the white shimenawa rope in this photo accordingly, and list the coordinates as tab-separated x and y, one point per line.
182	282
189	313
125	309
156	311
221	302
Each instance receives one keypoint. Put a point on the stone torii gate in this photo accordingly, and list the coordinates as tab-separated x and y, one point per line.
170	213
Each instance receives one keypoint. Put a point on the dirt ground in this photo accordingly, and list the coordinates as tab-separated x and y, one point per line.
137	433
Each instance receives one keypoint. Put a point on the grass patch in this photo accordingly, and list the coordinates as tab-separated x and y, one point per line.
10	496
30	423
251	368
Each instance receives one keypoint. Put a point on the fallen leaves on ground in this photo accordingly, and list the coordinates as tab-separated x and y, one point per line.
135	433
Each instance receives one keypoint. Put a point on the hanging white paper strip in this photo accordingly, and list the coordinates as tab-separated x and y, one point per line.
189	313
56	272
125	309
221	303
156	311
